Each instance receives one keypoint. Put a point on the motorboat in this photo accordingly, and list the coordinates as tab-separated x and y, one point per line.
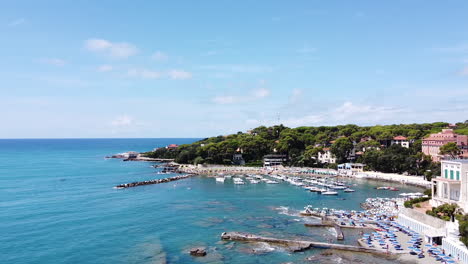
348	190
328	192
238	181
220	179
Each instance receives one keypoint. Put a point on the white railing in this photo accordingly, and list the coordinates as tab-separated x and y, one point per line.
456	249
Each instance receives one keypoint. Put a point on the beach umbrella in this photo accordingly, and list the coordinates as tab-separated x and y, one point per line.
428	245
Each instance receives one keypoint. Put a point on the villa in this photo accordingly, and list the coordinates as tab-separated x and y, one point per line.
452	186
431	145
326	156
400	140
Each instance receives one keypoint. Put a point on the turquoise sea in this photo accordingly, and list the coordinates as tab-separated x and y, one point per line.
57	205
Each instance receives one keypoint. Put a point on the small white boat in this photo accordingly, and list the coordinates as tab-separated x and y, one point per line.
271	182
220	179
254	181
348	190
238	181
339	187
328	192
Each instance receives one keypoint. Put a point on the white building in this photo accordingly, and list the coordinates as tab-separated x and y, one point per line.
452	186
274	160
400	140
326	156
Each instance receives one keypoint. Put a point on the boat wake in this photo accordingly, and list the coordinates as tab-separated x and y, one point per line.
284	210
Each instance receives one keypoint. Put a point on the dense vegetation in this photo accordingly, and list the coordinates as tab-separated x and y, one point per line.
416	201
302	145
463	228
445	212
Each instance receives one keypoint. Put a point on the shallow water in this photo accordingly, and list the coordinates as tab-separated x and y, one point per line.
58	206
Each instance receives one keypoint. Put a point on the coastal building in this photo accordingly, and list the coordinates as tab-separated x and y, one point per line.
400	140
172	146
450	188
452	185
237	159
350	168
131	155
274	160
326	156
431	145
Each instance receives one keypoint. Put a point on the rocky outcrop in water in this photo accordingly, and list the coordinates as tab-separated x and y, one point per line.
198	252
157	181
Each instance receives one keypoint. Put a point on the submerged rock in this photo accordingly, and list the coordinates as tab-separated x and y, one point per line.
198	252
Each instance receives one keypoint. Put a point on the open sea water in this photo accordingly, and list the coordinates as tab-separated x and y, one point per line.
58	205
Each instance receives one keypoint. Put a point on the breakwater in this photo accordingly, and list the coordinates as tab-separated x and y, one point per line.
156	181
297	245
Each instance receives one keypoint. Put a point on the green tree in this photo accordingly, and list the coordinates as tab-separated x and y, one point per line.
341	149
450	149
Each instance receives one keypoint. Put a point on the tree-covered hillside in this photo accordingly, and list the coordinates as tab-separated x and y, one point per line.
302	145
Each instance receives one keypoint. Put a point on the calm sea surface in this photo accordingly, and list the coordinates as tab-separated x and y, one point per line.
57	205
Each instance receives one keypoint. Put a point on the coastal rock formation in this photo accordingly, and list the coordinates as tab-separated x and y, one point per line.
157	181
198	252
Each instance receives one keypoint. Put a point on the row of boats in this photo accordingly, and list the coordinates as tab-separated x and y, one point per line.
323	186
253	179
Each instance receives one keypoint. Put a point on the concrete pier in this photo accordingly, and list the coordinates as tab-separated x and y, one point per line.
339	232
297	245
156	181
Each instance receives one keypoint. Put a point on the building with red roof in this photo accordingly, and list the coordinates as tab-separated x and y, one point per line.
400	140
431	145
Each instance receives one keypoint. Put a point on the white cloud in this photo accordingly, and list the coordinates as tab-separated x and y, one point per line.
160	56
179	75
348	113
261	93
238	68
296	95
306	50
111	49
255	94
53	61
229	99
17	22
105	68
122	121
144	74
151	74
464	71
461	48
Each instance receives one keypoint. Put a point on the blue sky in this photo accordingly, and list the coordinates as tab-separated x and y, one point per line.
203	68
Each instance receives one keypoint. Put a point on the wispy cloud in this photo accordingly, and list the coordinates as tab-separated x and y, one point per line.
111	49
306	49
151	74
348	112
460	48
17	22
105	68
159	56
238	68
179	75
53	61
144	73
122	121
254	95
464	71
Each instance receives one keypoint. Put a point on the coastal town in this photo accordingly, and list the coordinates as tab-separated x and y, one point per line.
414	227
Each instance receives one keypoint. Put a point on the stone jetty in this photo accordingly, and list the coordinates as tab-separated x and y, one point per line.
297	245
156	181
